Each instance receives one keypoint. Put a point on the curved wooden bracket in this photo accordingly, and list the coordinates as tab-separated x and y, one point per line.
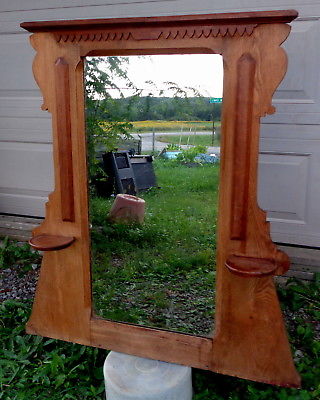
250	266
50	242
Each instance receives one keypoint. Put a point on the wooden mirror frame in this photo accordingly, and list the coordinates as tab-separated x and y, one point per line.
250	339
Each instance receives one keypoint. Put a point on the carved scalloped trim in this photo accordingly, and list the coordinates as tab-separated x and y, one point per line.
156	34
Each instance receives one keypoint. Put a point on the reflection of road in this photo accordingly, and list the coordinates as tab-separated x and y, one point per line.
147	141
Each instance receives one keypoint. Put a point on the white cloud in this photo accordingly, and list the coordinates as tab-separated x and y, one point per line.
203	72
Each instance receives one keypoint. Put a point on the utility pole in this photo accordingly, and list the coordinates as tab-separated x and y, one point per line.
214	100
153	140
213	131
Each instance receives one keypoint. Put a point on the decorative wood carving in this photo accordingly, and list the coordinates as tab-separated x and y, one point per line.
244	107
64	138
191	33
250	340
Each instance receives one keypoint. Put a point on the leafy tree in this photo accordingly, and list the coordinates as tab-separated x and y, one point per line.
107	118
105	127
141	108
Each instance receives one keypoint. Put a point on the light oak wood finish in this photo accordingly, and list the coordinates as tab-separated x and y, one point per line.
50	242
64	138
250	266
250	340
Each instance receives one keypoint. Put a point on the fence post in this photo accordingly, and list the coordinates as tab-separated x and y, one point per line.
213	131
153	140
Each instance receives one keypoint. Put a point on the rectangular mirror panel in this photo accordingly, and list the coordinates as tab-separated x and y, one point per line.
153	132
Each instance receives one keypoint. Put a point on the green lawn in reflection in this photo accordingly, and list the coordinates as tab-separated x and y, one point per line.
160	274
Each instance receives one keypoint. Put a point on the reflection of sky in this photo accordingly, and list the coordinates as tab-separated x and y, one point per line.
203	72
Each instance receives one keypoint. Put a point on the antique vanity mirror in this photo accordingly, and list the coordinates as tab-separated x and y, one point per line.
249	340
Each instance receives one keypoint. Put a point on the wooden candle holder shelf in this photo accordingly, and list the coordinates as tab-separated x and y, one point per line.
50	242
250	266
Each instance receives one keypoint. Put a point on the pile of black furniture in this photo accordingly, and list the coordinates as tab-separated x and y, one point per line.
127	173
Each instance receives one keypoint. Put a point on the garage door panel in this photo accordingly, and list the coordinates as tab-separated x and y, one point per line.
289	183
17	158
279	174
16	66
300	47
43	124
290	160
298	98
290	132
12	203
25	178
25	135
23	107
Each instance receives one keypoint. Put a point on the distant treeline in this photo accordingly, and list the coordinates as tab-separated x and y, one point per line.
138	108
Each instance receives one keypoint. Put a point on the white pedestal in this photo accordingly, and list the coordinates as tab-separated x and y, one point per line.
134	378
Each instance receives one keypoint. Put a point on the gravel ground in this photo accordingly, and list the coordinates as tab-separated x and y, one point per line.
291	319
18	281
17	284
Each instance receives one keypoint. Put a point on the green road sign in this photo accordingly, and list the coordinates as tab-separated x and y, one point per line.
215	100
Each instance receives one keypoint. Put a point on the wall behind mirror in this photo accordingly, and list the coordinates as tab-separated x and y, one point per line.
159	273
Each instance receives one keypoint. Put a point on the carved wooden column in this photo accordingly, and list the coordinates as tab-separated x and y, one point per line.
247	258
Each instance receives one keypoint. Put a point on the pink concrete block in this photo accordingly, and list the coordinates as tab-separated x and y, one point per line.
127	208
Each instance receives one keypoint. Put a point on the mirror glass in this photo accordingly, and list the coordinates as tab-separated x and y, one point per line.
153	140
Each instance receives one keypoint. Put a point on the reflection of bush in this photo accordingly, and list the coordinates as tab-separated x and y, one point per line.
173	146
189	155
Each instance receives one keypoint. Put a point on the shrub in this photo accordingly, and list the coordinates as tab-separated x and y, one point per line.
188	156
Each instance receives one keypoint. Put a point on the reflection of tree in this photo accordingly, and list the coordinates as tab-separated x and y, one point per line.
180	106
108	118
104	126
152	107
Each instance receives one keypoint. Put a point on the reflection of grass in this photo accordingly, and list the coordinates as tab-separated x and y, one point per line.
196	140
163	126
161	273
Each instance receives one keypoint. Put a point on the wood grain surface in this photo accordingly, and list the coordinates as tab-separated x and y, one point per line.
50	242
256	17
64	138
249	339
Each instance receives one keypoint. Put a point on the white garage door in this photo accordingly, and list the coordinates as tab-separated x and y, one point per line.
290	144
